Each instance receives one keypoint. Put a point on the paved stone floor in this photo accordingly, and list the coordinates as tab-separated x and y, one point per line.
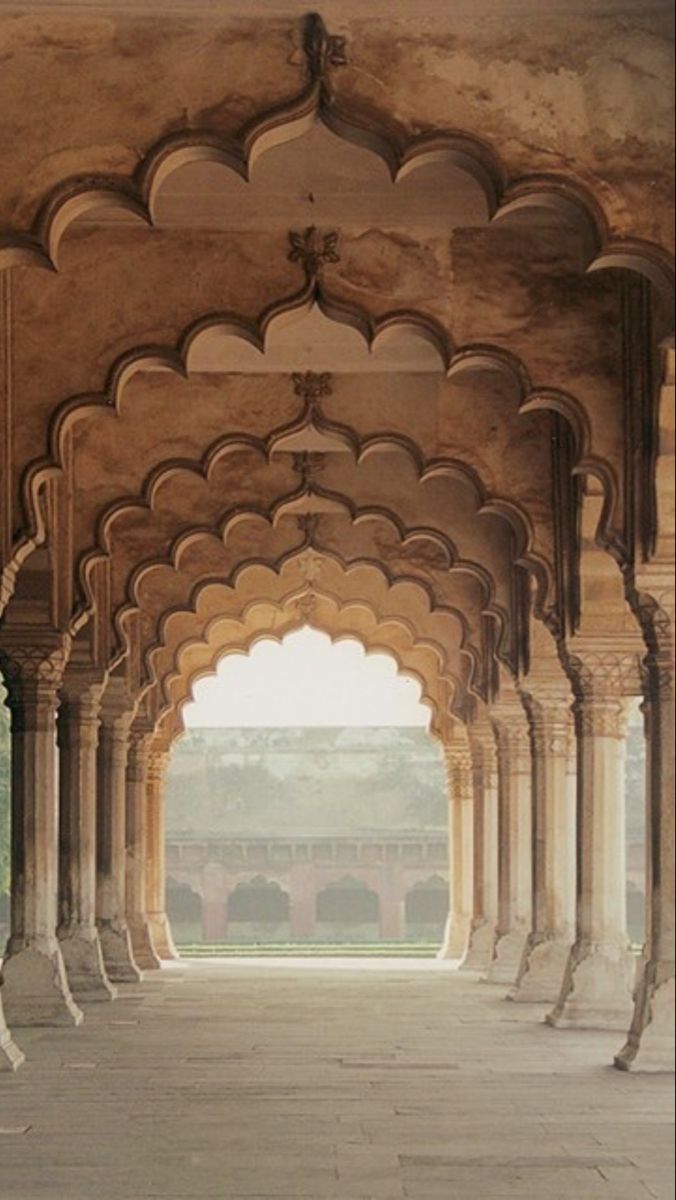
351	1081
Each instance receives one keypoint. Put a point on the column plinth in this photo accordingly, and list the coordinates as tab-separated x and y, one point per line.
35	989
145	955
78	732
11	1056
600	973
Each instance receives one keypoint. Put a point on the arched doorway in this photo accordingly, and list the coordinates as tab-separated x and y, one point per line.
184	910
258	911
426	909
348	910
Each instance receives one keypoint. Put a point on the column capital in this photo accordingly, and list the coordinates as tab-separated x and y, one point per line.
31	657
458	759
81	691
32	664
513	738
157	763
607	669
605	717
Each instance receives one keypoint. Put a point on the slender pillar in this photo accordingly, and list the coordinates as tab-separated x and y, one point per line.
77	734
599	976
460	825
554	792
111	919
156	869
650	1042
484	922
515	878
143	949
303	901
35	989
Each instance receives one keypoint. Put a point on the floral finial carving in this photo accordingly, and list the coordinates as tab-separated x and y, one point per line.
313	249
322	50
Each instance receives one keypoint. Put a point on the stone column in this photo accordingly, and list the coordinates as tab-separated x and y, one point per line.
515	871
35	989
77	735
156	868
650	1043
599	976
555	791
111	918
143	949
461	849
484	922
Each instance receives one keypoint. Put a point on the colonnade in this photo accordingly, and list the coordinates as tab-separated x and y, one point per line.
538	856
536	824
87	903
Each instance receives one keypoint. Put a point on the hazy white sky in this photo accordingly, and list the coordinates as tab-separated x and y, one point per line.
306	681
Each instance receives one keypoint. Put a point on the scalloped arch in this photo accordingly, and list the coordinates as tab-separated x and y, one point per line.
560	195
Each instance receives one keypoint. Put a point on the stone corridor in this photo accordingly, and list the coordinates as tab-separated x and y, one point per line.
305	1080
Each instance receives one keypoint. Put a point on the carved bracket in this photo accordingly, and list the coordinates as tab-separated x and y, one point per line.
312	249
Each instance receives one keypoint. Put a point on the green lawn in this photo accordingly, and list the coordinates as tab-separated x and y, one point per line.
310	950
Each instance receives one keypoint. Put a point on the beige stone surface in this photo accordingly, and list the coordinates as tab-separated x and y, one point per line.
386	1081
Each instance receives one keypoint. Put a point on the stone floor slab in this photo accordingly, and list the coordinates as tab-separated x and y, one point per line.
328	1081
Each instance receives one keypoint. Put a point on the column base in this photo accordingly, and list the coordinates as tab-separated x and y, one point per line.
456	936
507	957
117	953
650	1044
36	990
542	970
84	965
162	937
11	1057
597	989
142	946
480	946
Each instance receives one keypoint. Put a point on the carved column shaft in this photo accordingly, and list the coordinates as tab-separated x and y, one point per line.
483	925
460	818
111	885
650	1043
137	849
515	880
599	977
156	873
78	733
36	990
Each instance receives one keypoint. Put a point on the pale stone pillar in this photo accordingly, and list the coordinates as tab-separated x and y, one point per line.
143	949
484	922
11	1056
303	900
461	848
111	919
650	1043
555	793
35	989
515	880
599	977
77	736
156	869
